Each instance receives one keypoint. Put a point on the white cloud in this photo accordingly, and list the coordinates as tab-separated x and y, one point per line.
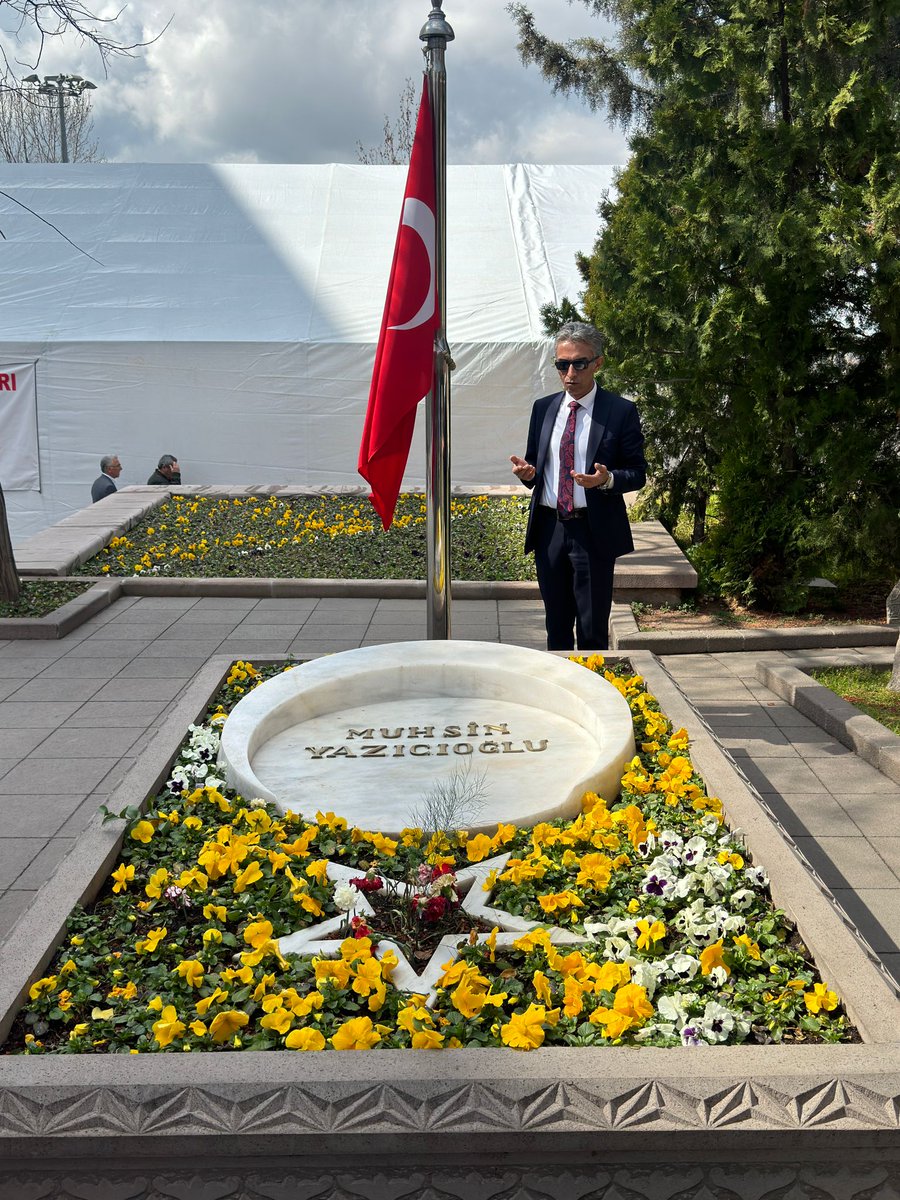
304	80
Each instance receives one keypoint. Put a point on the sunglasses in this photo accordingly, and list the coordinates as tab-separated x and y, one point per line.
563	364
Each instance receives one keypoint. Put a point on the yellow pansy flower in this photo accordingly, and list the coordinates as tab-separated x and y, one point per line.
191	971
143	831
427	1039
356	1034
749	945
525	1031
226	1023
479	847
203	1006
157	883
279	1020
820	998
168	1027
123	876
304	1039
649	934
257	932
47	984
712	958
247	877
541	987
318	870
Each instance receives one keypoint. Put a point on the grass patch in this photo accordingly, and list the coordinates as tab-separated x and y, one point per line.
39	597
867	689
316	537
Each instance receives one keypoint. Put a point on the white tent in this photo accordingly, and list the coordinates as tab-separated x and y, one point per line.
229	314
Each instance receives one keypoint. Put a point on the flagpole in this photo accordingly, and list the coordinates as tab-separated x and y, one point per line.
436	32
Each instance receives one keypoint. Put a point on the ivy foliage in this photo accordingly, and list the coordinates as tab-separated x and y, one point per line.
747	273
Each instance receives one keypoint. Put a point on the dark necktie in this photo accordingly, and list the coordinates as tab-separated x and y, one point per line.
565	503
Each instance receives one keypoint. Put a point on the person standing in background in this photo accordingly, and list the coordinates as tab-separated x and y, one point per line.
105	483
167	471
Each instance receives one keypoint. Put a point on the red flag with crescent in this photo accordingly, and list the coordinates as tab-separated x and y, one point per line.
404	359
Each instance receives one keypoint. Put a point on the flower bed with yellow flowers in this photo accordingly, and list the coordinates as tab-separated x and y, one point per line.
315	537
681	946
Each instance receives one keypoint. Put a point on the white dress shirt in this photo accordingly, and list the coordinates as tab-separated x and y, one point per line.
583	415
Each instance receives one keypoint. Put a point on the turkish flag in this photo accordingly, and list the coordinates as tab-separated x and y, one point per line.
404	360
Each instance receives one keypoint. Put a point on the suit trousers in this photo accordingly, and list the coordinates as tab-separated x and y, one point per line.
575	580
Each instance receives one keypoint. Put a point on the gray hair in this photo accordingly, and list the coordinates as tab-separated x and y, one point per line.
166	461
578	331
107	461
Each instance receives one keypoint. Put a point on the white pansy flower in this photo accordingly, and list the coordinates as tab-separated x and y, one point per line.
718	977
674	1008
716	1023
684	886
756	877
742	899
670	841
645	974
178	780
649	1031
694	851
681	966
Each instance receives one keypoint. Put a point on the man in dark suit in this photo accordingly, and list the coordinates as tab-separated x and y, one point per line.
584	451
105	483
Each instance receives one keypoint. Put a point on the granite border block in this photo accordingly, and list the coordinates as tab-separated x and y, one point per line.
862	734
651	1105
718	641
67	617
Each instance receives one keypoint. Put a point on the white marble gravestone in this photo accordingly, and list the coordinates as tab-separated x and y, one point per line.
367	733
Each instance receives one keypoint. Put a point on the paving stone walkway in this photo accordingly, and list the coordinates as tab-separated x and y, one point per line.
76	713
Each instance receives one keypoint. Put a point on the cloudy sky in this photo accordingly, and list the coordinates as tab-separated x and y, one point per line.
301	81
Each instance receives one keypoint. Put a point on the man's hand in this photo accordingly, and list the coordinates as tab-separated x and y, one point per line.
598	479
521	469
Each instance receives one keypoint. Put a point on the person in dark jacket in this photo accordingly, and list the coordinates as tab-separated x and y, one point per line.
167	471
585	450
105	483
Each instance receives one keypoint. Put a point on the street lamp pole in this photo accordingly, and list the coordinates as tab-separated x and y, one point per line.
61	86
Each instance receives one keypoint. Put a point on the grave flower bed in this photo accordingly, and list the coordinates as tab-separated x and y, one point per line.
315	537
678	944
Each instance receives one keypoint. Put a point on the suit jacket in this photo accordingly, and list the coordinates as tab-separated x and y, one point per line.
616	441
102	486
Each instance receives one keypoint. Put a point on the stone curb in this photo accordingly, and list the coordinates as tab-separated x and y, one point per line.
626	636
99	1113
863	735
67	617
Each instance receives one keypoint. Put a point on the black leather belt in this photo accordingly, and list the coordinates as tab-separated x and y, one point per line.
576	515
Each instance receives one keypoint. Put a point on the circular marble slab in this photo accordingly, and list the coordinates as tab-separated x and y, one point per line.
366	734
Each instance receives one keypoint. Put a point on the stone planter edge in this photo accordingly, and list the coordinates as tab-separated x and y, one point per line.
710	1101
862	734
